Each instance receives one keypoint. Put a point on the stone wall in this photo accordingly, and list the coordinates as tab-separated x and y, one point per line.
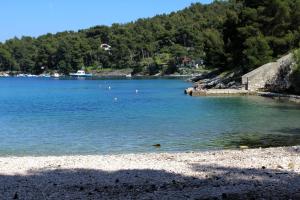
258	79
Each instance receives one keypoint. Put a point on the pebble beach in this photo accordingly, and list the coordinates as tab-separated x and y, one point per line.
272	173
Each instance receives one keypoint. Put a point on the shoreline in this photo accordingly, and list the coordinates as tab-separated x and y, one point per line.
241	92
134	77
234	174
281	96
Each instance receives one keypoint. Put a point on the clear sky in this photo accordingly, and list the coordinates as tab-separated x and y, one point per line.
37	17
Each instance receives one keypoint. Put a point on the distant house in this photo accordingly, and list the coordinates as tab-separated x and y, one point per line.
188	62
106	47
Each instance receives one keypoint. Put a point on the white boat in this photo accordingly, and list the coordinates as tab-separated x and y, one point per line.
45	75
80	73
21	75
4	75
128	76
31	75
56	75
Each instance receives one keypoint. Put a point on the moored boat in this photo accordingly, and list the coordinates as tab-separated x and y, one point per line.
56	75
45	75
4	75
80	73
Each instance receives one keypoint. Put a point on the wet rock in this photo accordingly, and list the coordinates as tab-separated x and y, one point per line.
234	196
157	145
130	187
205	75
296	195
219	80
153	187
16	196
224	196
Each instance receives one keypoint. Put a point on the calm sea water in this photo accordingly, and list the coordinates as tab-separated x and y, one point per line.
63	117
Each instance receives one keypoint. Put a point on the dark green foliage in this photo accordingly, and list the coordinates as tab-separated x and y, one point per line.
225	35
256	52
6	60
214	48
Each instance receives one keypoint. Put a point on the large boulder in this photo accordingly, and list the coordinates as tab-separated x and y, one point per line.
274	76
281	82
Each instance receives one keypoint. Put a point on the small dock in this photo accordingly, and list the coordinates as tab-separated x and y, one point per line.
218	92
241	92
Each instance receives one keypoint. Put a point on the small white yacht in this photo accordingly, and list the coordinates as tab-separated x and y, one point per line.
4	75
21	75
45	75
31	75
56	75
80	73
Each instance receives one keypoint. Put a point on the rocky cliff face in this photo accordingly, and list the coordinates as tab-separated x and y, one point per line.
218	80
274	76
281	81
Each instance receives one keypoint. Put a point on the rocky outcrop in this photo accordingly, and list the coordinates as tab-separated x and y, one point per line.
205	75
219	80
274	76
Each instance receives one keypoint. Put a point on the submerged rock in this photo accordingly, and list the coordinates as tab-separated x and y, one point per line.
157	145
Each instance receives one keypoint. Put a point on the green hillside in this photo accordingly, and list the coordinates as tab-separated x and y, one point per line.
225	34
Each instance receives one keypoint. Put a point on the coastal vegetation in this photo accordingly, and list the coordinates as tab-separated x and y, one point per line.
227	35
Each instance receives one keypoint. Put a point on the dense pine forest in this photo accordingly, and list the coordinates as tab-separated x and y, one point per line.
234	34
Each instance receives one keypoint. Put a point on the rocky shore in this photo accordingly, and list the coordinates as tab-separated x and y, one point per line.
282	97
272	173
273	80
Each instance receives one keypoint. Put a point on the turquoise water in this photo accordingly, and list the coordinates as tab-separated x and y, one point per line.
64	117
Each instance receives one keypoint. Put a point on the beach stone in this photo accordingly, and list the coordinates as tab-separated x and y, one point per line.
158	177
279	167
291	165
